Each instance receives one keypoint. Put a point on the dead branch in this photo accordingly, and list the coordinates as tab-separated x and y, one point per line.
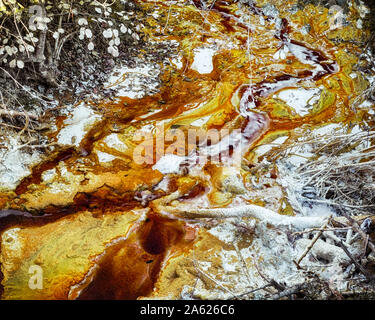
10	113
358	265
252	291
289	292
314	240
358	229
249	211
211	279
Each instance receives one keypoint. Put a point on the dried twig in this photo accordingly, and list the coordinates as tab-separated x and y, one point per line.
213	280
288	292
253	211
358	265
358	229
9	113
314	240
252	291
243	263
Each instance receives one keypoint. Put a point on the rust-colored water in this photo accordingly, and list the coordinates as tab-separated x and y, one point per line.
129	268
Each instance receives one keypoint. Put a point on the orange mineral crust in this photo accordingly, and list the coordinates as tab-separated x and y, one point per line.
96	216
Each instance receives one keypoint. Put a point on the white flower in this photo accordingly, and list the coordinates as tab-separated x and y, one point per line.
9	50
30	48
30	37
123	29
60	30
88	33
113	50
107	33
56	35
82	22
98	10
117	41
13	63
20	64
90	46
115	32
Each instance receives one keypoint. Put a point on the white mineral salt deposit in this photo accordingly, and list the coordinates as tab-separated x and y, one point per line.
300	99
77	125
203	60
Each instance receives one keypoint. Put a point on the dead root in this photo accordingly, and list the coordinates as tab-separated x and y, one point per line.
248	211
